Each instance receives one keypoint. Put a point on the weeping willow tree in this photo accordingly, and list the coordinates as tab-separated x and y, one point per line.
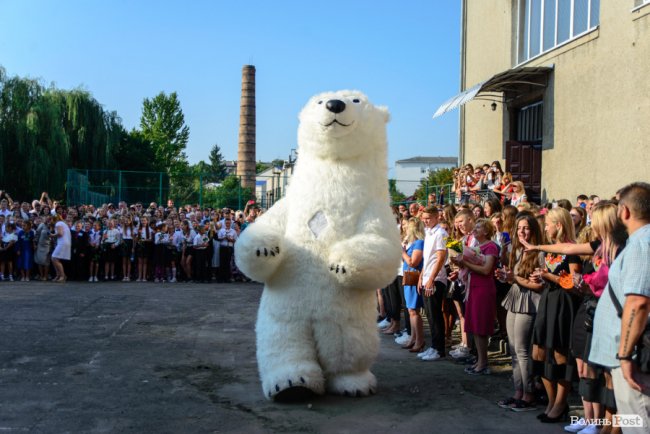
45	131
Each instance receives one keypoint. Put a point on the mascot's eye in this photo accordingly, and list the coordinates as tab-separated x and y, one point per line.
320	102
356	101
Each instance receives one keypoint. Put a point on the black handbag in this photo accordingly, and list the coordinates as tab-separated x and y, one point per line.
642	349
590	312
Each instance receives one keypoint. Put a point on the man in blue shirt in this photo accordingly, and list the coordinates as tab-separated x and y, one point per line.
614	338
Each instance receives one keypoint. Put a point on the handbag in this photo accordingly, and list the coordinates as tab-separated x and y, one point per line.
411	278
642	349
590	312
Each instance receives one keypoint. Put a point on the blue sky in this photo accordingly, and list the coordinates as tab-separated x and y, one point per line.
404	55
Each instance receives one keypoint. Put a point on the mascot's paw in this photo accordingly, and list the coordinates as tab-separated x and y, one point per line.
338	268
268	251
342	265
352	384
293	388
258	257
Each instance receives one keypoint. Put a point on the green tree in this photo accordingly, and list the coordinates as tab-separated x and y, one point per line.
229	194
217	167
261	167
436	179
45	131
134	152
163	124
395	194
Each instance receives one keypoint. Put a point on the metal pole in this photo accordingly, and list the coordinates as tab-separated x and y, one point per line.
239	194
201	190
119	186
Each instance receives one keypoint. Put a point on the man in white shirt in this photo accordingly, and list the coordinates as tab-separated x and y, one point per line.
226	237
4	210
433	281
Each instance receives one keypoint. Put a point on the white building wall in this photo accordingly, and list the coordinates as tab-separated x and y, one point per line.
409	175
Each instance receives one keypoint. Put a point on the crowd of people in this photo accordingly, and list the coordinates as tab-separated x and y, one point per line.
43	240
470	182
552	280
545	279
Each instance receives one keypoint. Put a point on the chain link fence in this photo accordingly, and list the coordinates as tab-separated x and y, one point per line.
99	187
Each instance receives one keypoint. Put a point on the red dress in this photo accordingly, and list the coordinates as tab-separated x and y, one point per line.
481	305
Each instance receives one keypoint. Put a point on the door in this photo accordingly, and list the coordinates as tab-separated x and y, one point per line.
524	161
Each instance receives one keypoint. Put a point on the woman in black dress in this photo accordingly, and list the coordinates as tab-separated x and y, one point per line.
554	321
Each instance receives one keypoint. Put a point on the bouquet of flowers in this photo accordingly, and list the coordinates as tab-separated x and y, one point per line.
455	247
470	255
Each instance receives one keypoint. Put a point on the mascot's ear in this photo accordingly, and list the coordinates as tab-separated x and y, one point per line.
384	111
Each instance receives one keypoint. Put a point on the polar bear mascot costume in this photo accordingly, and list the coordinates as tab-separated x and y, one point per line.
322	251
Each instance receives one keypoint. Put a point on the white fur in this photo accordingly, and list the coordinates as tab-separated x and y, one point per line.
316	327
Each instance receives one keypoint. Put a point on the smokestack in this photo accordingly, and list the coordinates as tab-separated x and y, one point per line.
246	155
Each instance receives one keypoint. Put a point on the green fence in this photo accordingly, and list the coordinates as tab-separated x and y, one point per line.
111	186
98	187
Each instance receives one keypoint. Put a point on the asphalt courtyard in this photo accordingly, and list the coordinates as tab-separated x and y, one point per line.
180	358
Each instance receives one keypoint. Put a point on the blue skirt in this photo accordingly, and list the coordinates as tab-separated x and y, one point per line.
412	298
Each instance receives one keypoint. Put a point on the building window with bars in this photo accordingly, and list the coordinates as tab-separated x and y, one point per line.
530	123
545	24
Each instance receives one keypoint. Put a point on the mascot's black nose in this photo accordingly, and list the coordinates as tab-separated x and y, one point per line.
335	105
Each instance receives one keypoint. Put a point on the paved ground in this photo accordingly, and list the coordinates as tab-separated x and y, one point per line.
128	357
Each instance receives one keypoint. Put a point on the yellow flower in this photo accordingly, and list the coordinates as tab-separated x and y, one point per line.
454	245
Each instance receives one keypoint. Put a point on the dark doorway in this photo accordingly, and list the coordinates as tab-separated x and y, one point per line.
524	154
524	161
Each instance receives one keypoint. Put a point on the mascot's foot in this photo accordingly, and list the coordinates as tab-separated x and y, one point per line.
293	388
352	384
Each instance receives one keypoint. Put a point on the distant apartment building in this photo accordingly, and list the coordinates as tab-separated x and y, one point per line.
409	172
271	184
231	167
558	90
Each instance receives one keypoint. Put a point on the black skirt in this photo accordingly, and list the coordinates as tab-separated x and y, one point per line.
553	331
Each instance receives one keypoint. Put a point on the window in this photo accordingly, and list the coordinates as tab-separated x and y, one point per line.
638	3
545	24
529	123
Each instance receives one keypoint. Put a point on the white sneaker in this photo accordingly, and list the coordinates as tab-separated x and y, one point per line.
426	352
156	280
404	339
576	426
459	353
173	280
11	278
383	323
90	279
435	355
590	429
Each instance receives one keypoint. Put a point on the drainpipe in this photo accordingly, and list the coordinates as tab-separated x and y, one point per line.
461	113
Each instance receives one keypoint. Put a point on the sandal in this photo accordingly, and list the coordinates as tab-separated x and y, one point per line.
507	403
521	405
